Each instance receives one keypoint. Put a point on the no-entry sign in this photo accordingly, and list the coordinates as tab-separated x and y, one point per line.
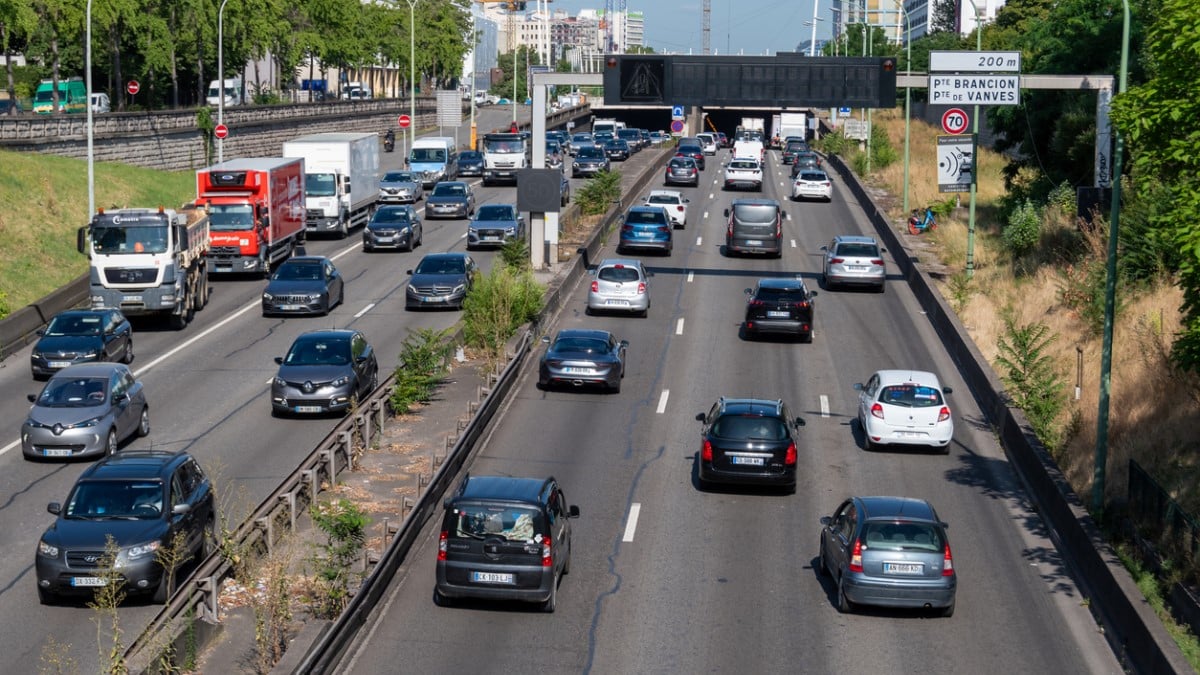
220	131
404	121
133	87
954	121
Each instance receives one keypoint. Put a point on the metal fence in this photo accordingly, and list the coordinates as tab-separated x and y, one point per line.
1159	516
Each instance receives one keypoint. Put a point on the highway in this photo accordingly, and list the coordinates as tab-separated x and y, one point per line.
208	389
723	581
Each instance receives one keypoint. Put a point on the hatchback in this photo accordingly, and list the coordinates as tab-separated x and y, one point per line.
142	501
905	407
450	199
646	227
504	538
578	141
397	227
324	371
682	171
693	151
617	149
674	202
470	163
303	285
779	307
755	226
621	284
581	357
852	260
400	187
812	184
79	336
805	160
748	441
85	410
888	552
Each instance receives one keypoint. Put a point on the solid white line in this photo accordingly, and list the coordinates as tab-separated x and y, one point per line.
691	276
662	401
699	241
365	310
679	326
631	524
824	405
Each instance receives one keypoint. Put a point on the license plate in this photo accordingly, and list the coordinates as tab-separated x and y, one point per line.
131	298
491	578
903	568
56	452
746	461
909	434
577	371
754	242
59	364
288	308
386	240
617	303
858	268
645	235
88	582
491	239
307	408
777	315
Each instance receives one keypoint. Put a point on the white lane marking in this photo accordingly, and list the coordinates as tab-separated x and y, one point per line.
463	236
706	215
662	401
824	405
679	326
691	276
710	195
793	243
631	524
365	310
699	241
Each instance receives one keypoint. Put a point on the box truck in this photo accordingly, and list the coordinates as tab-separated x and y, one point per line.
256	212
792	124
341	179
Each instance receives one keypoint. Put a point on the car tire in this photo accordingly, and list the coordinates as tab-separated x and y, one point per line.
616	388
111	443
441	600
644	313
844	604
948	610
143	429
551	602
127	357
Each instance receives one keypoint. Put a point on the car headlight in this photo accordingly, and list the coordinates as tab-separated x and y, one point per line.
86	423
94	354
510	230
460	288
278	382
267	297
140	551
341	381
313	297
47	550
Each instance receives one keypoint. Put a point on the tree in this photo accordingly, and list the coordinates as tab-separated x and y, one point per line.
945	17
17	23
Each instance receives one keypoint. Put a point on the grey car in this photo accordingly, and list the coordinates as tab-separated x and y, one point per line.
304	285
400	187
85	410
440	280
888	552
852	260
324	371
450	199
589	161
755	226
581	357
495	225
620	284
80	336
396	227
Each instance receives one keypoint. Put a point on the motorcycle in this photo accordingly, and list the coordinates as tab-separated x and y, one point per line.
389	142
918	224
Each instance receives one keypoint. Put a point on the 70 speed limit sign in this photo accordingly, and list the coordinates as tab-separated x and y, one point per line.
954	121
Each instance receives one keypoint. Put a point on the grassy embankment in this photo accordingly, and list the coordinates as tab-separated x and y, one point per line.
43	201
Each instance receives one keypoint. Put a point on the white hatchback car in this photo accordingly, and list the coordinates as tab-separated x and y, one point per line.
812	184
905	407
675	204
621	285
708	143
744	172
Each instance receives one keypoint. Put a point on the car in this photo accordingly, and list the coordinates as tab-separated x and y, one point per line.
450	199
723	140
792	147
620	284
579	356
708	143
579	140
143	502
79	336
440	280
682	171
100	102
602	137
905	407
303	285
495	225
589	161
748	441
400	187
85	410
324	371
779	306
470	163
633	137
657	138
693	151
744	172
805	160
9	106
888	552
853	260
755	226
617	149
560	136
645	134
504	538
812	184
395	227
674	202
646	227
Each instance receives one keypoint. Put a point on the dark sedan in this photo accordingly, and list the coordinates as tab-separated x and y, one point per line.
495	225
324	371
693	151
779	307
748	441
450	199
581	357
79	336
396	227
470	163
617	149
682	171
440	280
589	161
303	285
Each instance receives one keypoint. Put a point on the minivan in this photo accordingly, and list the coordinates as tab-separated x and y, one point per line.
231	88
72	96
755	226
100	102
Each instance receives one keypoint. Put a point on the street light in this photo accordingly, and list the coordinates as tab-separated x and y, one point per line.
91	171
412	73
220	77
812	43
975	170
907	95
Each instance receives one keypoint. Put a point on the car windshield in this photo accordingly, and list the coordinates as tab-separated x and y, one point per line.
617	143
296	271
581	138
495	212
781	294
663	199
427	155
503	146
645	217
910	395
442	266
122	499
470	156
74	392
449	190
590	152
386	215
230	217
754	213
857	250
896	536
120	240
398	177
750	427
318	352
320	184
581	345
74	324
618	273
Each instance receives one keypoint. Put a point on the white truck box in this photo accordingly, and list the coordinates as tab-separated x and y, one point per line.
793	124
341	179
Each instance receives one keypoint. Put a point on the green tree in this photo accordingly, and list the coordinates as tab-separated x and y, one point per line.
945	17
17	23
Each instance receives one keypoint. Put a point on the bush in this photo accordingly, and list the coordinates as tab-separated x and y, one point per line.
515	255
1035	385
345	528
599	193
497	305
1021	234
882	152
423	362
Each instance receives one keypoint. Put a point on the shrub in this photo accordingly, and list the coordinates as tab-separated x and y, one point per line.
515	255
1035	385
599	193
423	361
883	154
498	304
1021	234
345	528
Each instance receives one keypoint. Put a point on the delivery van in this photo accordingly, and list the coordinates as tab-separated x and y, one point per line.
72	96
434	159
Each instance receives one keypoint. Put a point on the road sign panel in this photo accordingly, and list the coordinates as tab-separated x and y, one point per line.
843	111
976	89
133	87
974	62
856	129
956	163
220	131
677	126
954	121
404	121
677	112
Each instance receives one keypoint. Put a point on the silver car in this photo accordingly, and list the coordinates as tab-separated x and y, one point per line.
852	260
400	187
85	410
620	284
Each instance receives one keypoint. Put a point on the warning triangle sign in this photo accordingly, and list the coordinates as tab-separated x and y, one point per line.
644	83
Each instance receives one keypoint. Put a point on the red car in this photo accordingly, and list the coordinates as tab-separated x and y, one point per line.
723	140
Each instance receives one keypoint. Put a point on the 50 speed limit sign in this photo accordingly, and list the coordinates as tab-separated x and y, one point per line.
954	121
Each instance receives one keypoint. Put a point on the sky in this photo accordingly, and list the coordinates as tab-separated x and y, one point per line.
737	26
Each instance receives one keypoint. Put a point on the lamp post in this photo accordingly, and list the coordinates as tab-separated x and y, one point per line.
87	70
975	171
220	77
474	74
812	42
907	95
412	74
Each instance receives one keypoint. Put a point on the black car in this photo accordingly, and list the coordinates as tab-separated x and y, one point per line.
682	171
324	371
589	161
792	148
142	499
805	160
79	336
617	149
579	357
470	163
779	307
440	280
397	227
504	538
748	441
303	285
693	151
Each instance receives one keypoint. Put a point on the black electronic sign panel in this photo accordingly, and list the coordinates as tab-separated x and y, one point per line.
785	80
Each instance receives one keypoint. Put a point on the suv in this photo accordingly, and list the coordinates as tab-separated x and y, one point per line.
143	499
755	226
620	284
854	260
748	440
779	307
646	227
504	538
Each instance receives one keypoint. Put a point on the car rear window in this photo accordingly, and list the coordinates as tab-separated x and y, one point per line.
787	294
680	163
647	217
813	176
754	213
750	427
481	521
858	250
743	164
690	149
618	274
662	199
796	146
911	395
894	536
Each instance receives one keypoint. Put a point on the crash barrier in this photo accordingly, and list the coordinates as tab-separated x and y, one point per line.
1131	627
20	328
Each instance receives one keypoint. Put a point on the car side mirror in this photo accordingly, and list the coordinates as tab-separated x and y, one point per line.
883	250
824	248
54	507
947	390
749	291
546	339
279	360
573	511
180	509
408	272
686	200
32	397
800	421
787	216
40	332
624	343
826	520
812	294
700	417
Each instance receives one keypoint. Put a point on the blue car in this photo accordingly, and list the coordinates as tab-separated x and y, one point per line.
646	227
470	163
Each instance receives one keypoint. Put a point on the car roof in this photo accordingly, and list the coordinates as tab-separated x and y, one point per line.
651	208
505	488
626	262
327	334
83	312
751	406
780	282
134	464
854	239
594	333
305	259
896	507
96	369
755	201
444	256
889	377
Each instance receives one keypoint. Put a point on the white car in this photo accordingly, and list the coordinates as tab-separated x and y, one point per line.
708	143
905	407
744	172
812	184
675	204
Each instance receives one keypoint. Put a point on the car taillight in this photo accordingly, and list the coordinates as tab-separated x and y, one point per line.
595	286
547	552
789	457
663	228
837	261
947	562
706	451
778	227
856	557
800	305
877	261
641	287
679	208
729	231
877	411
943	414
442	545
627	228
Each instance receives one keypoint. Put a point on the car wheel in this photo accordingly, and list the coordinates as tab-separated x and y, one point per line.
551	602
110	443
807	338
143	429
412	242
948	610
844	604
879	288
616	388
127	357
441	600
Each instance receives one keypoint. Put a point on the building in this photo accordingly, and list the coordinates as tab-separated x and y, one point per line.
887	15
485	54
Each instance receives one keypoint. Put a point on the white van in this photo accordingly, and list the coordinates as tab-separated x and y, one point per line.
434	158
100	102
232	88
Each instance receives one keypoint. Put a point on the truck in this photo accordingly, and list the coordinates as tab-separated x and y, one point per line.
792	124
775	137
256	212
341	179
148	261
751	128
608	125
504	155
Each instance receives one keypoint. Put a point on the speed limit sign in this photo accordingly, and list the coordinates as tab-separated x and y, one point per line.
954	121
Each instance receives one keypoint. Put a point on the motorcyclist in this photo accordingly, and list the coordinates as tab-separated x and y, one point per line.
389	140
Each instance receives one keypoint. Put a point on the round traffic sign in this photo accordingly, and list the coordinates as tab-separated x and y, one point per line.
677	126
220	131
954	121
404	121
133	87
